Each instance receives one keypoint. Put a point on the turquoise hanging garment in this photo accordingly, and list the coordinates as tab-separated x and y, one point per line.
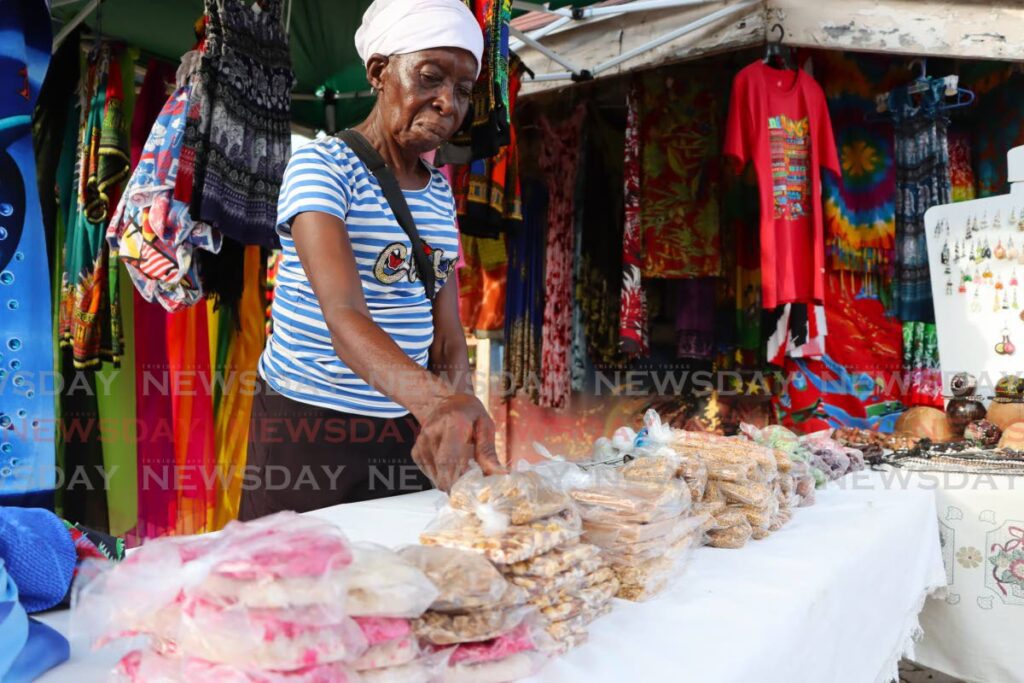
27	468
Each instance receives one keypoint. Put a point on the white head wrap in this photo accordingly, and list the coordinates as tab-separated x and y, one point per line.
397	27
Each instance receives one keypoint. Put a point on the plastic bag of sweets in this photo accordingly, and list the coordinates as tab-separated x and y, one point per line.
610	497
554	562
521	497
550	586
465	580
653	468
150	666
280	562
731	535
695	473
274	639
391	643
502	545
381	583
438	628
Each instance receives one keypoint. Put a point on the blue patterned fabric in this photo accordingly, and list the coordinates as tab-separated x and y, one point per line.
922	181
27	475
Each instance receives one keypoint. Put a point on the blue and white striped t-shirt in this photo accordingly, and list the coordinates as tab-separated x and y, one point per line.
299	360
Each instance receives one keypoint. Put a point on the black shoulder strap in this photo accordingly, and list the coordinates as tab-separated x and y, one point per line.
393	194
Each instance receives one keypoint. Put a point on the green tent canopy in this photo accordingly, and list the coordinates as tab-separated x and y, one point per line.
322	47
322	36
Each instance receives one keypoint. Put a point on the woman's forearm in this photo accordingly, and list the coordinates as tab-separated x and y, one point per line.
375	357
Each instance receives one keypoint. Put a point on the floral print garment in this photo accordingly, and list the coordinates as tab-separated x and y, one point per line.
559	156
633	308
681	145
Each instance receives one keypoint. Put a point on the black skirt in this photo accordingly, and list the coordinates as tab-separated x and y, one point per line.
304	457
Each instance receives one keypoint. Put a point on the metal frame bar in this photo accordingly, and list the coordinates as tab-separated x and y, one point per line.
536	7
56	4
544	50
638	6
67	28
541	32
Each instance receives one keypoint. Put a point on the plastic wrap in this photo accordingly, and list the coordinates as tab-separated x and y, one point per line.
566	608
520	497
613	499
731	536
759	516
693	470
379	630
595	596
282	561
684	528
562	629
148	666
805	490
782	461
389	654
554	562
511	668
521	639
440	628
750	493
730	470
383	584
568	580
607	533
465	580
633	553
272	639
515	544
654	468
641	580
429	668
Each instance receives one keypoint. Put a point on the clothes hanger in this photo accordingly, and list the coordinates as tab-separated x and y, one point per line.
777	53
923	83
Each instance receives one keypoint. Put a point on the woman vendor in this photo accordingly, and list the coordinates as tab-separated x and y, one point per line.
365	386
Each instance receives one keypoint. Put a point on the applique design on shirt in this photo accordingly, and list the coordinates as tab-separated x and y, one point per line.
790	153
397	261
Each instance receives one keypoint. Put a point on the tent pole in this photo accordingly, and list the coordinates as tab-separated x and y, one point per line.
67	28
637	6
672	35
544	50
541	32
535	7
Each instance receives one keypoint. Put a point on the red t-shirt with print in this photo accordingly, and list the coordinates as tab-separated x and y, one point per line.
778	119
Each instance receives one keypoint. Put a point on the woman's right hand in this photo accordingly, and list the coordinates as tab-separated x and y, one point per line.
458	431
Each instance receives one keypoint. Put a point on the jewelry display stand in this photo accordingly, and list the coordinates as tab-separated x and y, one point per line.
976	258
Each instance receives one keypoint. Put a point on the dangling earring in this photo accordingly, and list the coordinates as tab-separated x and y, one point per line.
1005	347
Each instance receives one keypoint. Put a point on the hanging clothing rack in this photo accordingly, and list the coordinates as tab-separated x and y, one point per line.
924	83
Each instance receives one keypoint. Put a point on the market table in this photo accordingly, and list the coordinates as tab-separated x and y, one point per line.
832	597
975	630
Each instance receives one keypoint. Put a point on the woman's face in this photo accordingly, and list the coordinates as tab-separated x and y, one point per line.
423	96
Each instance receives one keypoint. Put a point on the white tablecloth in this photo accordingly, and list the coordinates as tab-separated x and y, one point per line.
832	598
974	632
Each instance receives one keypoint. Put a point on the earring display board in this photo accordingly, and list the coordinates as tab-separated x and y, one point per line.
976	257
